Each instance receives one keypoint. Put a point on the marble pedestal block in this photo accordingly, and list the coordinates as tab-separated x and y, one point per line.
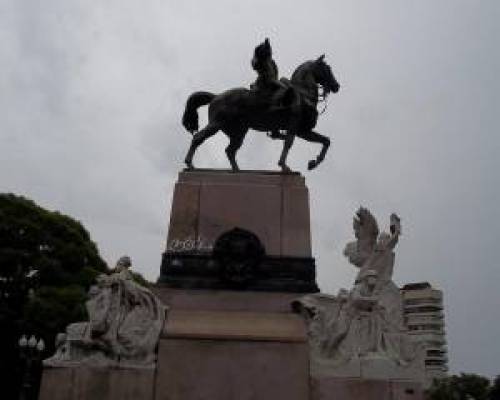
274	206
216	212
225	300
364	389
370	368
90	383
230	355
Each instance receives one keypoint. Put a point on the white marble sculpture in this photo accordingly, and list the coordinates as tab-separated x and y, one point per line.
125	321
360	332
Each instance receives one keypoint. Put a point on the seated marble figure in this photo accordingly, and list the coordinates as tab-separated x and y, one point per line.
125	321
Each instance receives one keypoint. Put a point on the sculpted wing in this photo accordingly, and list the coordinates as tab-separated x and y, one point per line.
365	226
366	232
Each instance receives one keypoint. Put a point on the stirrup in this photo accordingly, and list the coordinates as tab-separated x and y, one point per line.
275	134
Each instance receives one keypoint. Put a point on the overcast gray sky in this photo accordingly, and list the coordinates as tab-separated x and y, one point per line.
91	95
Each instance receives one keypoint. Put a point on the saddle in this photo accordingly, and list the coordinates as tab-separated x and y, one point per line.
276	94
287	95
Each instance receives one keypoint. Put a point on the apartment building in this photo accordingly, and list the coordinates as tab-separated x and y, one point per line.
424	318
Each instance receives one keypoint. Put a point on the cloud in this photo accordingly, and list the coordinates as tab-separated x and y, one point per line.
92	97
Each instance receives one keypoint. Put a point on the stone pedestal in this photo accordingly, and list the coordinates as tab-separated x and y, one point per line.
87	383
238	252
225	300
262	216
370	368
274	206
231	355
364	389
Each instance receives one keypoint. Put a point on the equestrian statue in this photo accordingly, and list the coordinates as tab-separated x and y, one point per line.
283	108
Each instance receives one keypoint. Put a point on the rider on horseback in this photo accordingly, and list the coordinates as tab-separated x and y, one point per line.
287	108
266	68
267	86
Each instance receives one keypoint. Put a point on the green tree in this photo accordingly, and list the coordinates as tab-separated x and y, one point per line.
495	389
460	387
47	263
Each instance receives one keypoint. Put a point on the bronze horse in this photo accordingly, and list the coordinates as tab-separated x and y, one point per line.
291	109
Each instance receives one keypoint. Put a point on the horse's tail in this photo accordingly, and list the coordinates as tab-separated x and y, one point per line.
190	117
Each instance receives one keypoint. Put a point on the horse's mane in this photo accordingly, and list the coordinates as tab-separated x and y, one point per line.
302	70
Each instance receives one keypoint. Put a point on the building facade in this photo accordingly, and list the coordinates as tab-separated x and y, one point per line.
424	318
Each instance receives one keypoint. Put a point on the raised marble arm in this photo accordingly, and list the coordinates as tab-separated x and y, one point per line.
395	229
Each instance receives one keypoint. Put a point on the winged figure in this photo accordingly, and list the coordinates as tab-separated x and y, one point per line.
373	250
367	321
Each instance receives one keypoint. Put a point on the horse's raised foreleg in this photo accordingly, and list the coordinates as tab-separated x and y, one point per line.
198	139
287	144
315	137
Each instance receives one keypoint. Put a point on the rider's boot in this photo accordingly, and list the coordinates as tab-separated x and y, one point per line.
276	134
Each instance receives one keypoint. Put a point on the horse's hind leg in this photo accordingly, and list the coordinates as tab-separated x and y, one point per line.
235	142
198	139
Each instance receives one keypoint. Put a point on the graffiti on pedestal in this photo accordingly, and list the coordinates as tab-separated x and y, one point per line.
190	245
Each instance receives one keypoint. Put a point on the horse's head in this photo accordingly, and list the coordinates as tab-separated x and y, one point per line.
324	76
263	50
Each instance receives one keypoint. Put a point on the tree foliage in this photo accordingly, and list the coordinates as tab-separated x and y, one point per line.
462	387
47	263
495	389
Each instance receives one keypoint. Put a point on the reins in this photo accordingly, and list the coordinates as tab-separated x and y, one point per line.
323	98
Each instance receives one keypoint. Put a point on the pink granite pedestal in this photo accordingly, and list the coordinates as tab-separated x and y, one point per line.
88	383
230	355
274	206
270	209
225	300
364	389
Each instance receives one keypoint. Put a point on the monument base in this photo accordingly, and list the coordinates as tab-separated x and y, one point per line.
375	367
364	389
225	300
88	383
231	355
239	231
228	345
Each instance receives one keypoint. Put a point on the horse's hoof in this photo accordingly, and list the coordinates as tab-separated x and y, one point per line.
312	164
